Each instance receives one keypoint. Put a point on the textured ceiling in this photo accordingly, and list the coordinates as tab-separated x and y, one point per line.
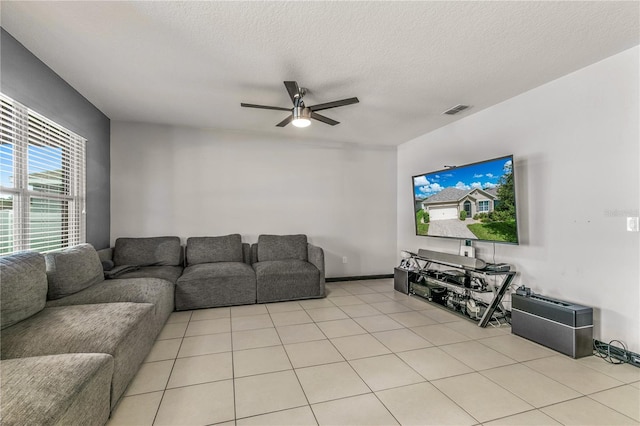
192	63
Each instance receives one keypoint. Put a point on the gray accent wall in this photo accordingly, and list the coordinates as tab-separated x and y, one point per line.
26	79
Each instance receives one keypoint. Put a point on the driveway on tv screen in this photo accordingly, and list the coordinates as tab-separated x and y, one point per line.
451	228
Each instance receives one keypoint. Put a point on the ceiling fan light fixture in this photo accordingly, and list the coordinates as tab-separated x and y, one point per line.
301	122
301	117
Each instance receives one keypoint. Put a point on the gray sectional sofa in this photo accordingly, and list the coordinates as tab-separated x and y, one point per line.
69	359
71	341
224	271
218	273
287	267
66	389
151	257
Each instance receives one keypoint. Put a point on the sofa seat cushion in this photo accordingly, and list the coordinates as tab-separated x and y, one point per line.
227	248
279	280
209	285
68	389
137	290
282	247
169	273
72	270
23	289
122	330
154	251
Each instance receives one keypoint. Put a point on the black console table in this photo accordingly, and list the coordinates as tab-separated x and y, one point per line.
460	288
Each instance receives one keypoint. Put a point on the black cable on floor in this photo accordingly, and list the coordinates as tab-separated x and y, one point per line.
611	354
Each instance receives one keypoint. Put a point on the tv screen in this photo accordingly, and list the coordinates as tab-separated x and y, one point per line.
471	202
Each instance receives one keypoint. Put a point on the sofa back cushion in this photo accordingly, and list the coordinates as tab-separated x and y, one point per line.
214	249
72	270
153	251
23	287
282	247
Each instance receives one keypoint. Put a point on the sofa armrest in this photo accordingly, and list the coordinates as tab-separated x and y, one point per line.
254	253
316	258
105	254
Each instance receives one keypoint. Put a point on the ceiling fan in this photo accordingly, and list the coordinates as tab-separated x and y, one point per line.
301	114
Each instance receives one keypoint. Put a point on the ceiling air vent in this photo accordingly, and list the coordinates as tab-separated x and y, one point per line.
456	109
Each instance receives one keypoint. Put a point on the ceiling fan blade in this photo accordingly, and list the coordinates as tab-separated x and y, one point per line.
264	107
286	121
293	89
324	119
334	104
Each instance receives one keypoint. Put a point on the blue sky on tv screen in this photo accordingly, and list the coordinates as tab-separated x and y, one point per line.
484	175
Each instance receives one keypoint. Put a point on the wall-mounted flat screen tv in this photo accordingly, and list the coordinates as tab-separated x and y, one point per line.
471	202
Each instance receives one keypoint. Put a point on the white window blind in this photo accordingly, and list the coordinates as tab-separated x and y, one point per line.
42	182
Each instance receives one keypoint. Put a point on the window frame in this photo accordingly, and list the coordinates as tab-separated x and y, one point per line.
481	203
24	128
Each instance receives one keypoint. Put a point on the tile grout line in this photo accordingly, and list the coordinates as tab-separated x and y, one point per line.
361	378
415	371
155	417
611	408
233	371
477	372
295	373
336	362
367	332
438	346
516	362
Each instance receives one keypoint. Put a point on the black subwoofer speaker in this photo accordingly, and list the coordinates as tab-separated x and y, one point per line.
563	326
401	280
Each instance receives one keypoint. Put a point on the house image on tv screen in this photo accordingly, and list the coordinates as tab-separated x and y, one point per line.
476	201
448	203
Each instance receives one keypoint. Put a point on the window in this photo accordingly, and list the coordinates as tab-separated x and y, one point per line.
42	182
483	206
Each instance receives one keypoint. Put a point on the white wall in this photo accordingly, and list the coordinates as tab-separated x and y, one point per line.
194	182
575	145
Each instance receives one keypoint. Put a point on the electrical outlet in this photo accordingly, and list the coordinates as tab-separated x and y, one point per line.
344	259
633	224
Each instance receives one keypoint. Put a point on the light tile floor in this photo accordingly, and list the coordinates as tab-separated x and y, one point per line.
365	355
